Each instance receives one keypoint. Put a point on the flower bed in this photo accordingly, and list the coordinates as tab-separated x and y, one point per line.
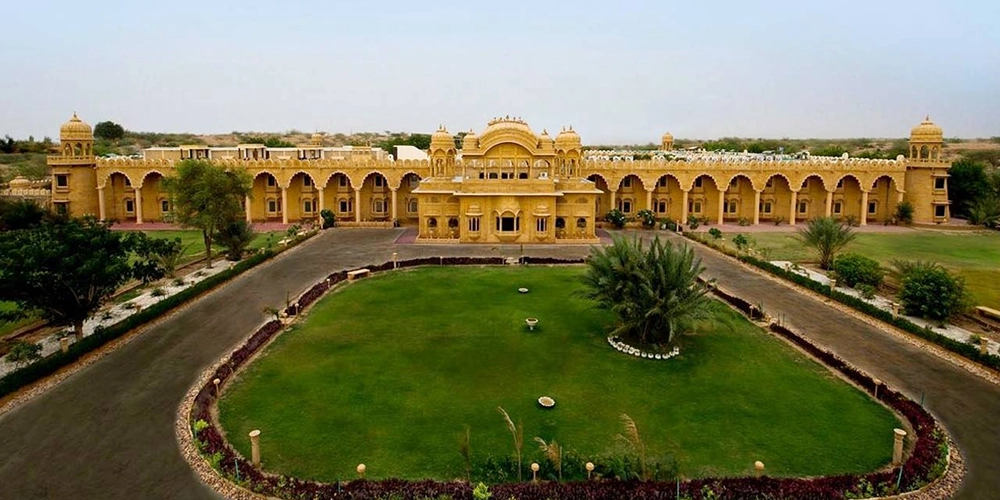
964	349
925	464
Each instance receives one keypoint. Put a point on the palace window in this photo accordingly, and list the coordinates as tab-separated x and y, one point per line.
307	206
129	205
698	182
541	225
273	206
581	223
165	206
452	223
432	222
508	224
378	206
473	224
770	182
342	181
939	211
62	180
560	223
840	183
345	206
731	206
872	206
803	207
838	207
694	207
766	207
627	182
379	181
734	183
627	206
939	183
271	181
661	206
62	207
307	181
411	205
662	182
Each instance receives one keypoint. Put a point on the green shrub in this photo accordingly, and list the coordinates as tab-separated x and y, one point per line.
867	291
930	291
693	222
904	213
715	233
855	269
741	242
158	292
23	352
328	218
616	218
647	217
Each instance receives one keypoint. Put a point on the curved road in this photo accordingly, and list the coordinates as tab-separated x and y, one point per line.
107	431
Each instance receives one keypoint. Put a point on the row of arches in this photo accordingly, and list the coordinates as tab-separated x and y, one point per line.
740	201
300	199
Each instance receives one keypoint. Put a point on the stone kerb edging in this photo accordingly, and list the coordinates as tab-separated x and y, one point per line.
624	348
200	401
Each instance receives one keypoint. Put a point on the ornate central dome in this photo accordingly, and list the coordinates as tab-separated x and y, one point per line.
927	131
507	123
75	130
568	139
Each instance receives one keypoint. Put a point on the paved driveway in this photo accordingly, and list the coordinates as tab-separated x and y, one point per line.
107	432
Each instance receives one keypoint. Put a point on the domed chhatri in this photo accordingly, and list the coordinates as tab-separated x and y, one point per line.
316	139
927	131
442	139
76	130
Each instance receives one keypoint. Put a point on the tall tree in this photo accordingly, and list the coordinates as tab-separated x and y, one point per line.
109	130
653	291
64	270
826	236
207	197
968	183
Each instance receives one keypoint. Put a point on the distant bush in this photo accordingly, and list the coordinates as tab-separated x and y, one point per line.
715	233
930	291
855	269
904	213
616	218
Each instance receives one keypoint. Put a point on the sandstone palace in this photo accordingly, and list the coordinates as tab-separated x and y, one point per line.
511	185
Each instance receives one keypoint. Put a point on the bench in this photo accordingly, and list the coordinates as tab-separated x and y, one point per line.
988	312
356	274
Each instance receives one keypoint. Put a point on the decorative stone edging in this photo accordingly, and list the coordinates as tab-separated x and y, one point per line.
948	481
624	348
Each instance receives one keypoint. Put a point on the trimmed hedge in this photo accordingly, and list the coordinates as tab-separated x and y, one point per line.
50	364
924	464
964	349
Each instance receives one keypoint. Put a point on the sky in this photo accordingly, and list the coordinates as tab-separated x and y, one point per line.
619	72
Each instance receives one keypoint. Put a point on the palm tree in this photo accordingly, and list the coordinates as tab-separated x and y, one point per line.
826	236
654	292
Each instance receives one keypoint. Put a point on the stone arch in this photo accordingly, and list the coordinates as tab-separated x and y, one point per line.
703	175
886	193
148	173
333	174
304	172
602	202
738	202
805	181
113	172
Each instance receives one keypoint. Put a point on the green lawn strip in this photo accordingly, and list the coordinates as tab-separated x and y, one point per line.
389	371
972	255
7	327
194	245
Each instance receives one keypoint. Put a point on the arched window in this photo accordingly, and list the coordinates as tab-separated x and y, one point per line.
432	222
581	223
411	205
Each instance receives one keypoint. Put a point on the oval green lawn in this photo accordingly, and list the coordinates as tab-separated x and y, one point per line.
390	370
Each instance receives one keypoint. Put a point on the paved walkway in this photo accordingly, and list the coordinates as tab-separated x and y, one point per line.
107	431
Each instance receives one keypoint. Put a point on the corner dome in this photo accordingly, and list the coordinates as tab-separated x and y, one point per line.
316	139
568	139
75	130
470	141
441	139
927	131
544	140
667	137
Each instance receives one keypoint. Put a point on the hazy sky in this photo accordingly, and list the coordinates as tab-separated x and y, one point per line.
618	71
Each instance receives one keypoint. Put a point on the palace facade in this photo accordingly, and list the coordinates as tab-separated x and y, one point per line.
509	184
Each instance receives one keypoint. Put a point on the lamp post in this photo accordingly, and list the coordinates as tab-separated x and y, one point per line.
590	469
534	472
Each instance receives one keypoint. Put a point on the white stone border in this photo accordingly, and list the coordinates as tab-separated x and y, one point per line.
624	348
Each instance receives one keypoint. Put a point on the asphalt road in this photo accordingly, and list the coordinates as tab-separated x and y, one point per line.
107	431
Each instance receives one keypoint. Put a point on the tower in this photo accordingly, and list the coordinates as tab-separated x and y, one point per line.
667	142
926	174
442	153
74	179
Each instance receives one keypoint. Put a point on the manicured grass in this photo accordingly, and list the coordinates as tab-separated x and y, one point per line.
194	246
972	255
7	327
389	371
